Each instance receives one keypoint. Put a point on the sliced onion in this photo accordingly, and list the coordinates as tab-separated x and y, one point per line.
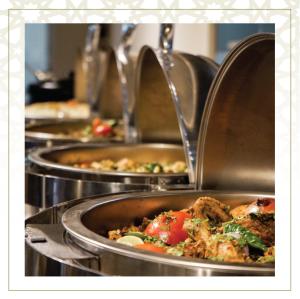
234	235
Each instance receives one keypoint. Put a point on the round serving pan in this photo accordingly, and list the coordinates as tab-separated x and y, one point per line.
55	133
58	160
87	223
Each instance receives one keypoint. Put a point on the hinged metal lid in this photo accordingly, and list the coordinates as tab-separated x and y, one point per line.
236	143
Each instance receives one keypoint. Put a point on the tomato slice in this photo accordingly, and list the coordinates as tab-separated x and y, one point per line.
151	247
266	205
102	130
168	227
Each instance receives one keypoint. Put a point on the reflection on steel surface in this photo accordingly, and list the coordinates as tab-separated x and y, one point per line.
85	219
237	135
51	178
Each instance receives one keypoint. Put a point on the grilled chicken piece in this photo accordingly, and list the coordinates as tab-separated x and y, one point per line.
114	234
226	250
204	210
260	206
260	225
210	208
197	229
258	217
240	211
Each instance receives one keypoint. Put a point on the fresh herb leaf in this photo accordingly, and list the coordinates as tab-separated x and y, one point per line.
87	130
151	167
249	238
112	122
154	240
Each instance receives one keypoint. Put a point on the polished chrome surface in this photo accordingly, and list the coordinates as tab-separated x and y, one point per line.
50	179
117	72
164	91
154	111
110	96
237	135
166	37
171	91
171	98
88	222
39	264
62	253
44	190
55	254
92	66
127	65
102	71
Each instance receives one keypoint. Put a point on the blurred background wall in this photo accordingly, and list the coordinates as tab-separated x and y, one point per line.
57	47
36	51
227	35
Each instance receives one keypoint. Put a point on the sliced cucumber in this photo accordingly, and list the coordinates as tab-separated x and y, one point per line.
130	240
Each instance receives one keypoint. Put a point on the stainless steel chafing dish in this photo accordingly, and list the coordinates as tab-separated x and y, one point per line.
142	73
170	95
84	250
59	161
235	152
56	132
52	178
103	93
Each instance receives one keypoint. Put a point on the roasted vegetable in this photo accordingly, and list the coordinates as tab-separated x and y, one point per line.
168	227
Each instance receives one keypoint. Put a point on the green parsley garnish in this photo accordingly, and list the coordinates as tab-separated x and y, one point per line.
246	236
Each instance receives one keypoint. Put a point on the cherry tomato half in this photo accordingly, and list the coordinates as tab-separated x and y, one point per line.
168	227
266	205
151	247
102	130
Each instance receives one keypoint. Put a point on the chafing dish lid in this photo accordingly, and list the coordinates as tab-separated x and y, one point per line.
236	141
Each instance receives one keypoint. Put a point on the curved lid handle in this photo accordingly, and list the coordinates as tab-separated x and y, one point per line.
166	37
